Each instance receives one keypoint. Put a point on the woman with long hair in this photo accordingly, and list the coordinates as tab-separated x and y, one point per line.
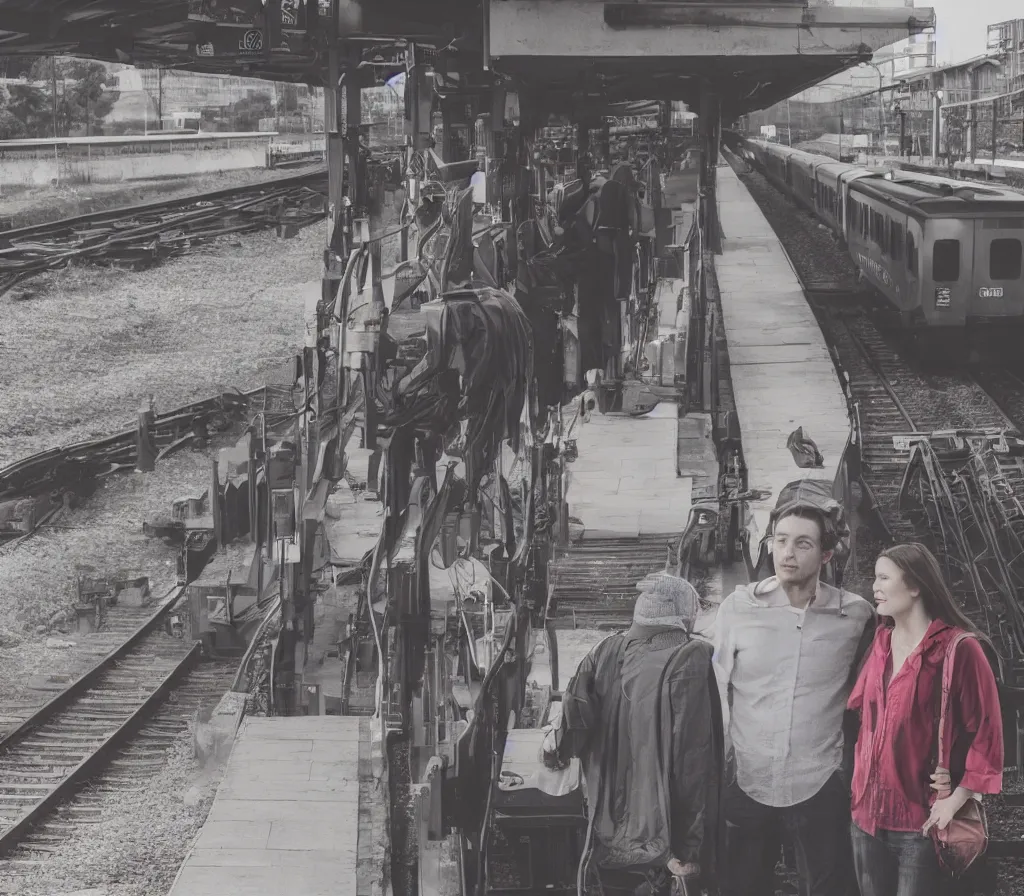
899	795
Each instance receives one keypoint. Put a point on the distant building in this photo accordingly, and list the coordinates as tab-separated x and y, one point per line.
901	87
154	94
1006	40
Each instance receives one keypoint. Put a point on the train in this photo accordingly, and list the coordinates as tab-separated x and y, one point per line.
943	255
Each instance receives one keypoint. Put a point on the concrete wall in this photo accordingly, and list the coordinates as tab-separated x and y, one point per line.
86	163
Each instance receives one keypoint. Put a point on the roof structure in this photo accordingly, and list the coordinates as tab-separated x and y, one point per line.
921	74
575	55
940	196
282	40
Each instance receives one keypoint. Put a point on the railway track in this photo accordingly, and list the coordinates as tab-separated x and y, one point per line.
594	581
895	401
114	721
143	235
128	769
1006	389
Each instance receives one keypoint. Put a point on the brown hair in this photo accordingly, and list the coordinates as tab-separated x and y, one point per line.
828	539
921	570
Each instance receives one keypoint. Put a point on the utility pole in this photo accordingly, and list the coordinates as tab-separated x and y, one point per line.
160	99
995	125
53	91
789	123
881	114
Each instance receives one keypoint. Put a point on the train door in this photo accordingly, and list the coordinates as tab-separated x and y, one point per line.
947	262
903	295
998	286
845	217
843	188
913	241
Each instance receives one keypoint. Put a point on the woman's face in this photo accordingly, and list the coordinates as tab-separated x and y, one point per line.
892	596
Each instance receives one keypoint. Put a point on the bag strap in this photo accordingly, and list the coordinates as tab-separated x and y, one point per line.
947	686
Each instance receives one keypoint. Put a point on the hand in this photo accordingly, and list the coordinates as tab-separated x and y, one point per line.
550	743
943	812
942	783
549	751
678	869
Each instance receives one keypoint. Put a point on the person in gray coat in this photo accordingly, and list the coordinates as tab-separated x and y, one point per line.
643	715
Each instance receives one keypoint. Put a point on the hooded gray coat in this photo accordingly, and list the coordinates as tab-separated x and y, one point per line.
643	715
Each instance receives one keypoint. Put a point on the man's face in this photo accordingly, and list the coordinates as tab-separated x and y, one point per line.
796	550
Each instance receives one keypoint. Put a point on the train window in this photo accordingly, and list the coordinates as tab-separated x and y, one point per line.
946	261
895	240
911	253
1004	259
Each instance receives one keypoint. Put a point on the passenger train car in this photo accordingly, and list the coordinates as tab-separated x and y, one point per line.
943	253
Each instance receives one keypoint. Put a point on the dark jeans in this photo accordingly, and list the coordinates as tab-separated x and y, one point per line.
819	829
622	882
895	863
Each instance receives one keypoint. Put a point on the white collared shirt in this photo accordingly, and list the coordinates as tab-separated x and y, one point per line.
784	676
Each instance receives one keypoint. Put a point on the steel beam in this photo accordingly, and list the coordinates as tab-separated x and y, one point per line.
593	28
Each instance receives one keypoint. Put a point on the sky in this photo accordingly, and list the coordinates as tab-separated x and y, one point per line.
961	25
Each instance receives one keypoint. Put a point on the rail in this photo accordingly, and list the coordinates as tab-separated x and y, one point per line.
22	759
143	235
107	454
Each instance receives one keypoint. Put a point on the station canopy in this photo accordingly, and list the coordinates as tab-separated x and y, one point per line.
574	55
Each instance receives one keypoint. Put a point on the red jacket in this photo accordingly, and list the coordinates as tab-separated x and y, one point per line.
896	751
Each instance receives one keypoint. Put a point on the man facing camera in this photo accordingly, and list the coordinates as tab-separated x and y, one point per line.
786	655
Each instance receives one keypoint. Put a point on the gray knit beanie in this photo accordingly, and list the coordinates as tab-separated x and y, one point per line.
667	600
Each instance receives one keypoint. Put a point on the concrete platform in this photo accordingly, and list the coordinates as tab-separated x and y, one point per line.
625	482
292	813
782	374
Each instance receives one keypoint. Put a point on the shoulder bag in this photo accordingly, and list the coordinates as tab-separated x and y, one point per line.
965	838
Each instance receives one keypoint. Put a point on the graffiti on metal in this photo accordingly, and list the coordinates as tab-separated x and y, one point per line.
877	269
251	42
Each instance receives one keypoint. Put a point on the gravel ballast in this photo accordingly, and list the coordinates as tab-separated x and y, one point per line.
136	848
82	353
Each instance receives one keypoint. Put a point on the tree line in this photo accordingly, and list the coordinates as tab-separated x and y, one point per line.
78	96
